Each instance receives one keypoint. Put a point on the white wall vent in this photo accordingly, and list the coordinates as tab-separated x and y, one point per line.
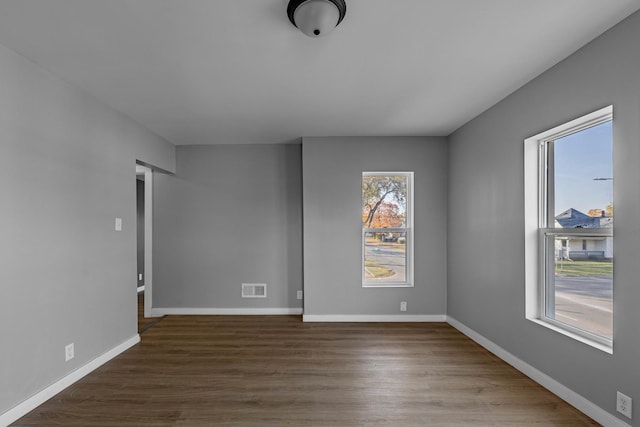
254	290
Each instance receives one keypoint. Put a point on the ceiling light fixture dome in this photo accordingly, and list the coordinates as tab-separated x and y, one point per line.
315	18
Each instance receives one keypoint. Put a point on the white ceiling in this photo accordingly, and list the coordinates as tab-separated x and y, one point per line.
236	71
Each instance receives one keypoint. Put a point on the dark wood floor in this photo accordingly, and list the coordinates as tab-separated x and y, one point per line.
144	323
278	371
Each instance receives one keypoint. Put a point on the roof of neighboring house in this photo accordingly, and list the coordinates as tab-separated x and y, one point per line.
573	218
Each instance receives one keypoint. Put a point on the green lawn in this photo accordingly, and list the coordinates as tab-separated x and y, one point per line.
377	270
584	268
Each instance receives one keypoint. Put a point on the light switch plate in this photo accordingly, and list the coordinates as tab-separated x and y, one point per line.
118	224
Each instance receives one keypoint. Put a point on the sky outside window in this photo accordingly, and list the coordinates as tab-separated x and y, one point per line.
579	158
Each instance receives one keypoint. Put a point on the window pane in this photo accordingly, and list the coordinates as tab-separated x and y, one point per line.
384	201
583	179
580	284
385	257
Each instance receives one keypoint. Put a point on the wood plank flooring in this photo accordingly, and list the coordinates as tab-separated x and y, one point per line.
144	322
278	371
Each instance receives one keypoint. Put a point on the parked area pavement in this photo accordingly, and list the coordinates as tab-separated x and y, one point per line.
586	302
390	257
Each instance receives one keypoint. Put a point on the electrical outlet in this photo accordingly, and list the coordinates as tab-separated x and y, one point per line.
118	224
68	352
403	306
624	404
299	295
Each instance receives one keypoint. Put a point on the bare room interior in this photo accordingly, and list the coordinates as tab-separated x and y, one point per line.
319	212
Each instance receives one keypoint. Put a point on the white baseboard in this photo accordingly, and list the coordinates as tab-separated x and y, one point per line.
587	407
381	318
39	398
180	311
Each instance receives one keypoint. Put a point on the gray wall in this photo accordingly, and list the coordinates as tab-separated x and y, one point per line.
67	170
230	215
332	182
486	238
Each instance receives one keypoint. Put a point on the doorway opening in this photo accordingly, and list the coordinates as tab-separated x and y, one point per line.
144	222
140	230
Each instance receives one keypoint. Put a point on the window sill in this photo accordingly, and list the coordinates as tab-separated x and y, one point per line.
387	285
595	344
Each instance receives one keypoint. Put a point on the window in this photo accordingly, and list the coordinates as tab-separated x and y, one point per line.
387	229
569	236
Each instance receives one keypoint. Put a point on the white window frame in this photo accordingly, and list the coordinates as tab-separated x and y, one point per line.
408	230
539	234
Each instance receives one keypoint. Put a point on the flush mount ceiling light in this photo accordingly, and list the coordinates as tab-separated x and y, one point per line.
315	18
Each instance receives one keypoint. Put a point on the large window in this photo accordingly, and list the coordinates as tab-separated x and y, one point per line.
574	231
387	229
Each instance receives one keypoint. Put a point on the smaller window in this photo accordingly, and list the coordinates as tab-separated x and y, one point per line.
387	229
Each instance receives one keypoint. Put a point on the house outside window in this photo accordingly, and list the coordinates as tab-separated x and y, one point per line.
387	229
569	228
